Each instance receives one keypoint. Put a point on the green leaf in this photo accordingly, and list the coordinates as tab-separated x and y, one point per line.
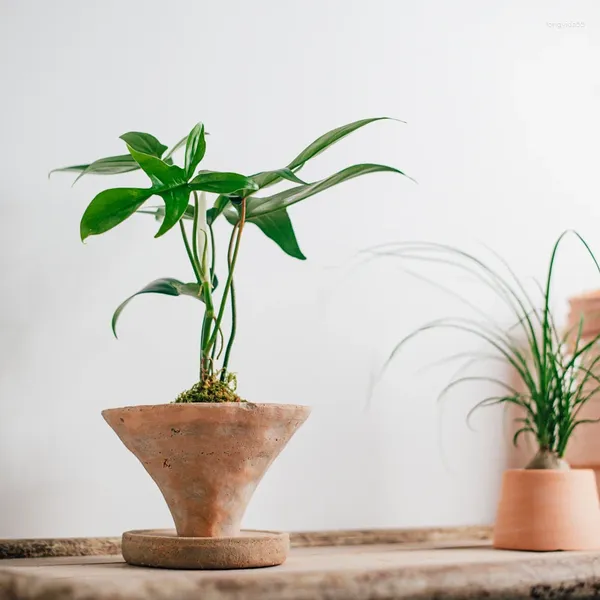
331	137
72	169
194	149
221	183
277	226
111	165
161	174
144	142
275	176
319	145
176	147
167	286
218	207
262	206
111	207
176	202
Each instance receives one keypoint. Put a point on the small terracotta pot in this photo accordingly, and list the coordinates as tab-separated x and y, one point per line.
548	510
207	459
584	307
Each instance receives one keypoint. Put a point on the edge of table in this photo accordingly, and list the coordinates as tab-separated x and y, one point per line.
99	546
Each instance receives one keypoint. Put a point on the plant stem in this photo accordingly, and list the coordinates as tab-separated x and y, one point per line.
239	230
195	233
233	310
209	311
212	251
205	346
189	251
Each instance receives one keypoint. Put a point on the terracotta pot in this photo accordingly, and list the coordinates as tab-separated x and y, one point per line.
548	510
587	307
207	459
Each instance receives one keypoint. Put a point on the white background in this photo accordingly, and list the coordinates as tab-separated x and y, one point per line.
502	135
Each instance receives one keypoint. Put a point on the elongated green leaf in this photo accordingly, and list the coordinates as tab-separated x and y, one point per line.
167	286
174	149
144	142
176	203
319	145
331	137
178	145
111	165
266	178
111	207
71	169
194	149
277	226
221	183
262	206
161	174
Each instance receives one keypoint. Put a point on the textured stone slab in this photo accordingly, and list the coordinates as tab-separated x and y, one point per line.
38	548
393	571
354	537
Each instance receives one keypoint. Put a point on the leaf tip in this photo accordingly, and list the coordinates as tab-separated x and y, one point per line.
161	231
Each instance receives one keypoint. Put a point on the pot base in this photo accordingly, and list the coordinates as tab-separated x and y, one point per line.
163	548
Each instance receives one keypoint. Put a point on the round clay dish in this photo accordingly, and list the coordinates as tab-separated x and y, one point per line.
163	548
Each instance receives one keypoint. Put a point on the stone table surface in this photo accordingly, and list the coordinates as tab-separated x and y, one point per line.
375	572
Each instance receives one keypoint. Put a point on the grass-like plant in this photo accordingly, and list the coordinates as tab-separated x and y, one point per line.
557	370
183	191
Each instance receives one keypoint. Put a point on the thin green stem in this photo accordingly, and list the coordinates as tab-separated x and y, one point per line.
189	251
206	363
212	251
227	288
195	233
233	310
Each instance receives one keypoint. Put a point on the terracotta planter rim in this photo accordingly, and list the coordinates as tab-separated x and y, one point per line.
209	406
590	294
554	472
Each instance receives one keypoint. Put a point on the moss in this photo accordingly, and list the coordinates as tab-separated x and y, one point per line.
212	389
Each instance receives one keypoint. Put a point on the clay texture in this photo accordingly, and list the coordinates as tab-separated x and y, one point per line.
163	548
207	459
548	510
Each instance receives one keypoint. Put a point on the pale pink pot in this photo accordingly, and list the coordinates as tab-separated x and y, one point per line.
546	510
207	459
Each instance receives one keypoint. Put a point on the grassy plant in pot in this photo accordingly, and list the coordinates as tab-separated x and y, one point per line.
546	505
207	450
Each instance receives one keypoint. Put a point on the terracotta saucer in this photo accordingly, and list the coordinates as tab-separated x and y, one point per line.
163	548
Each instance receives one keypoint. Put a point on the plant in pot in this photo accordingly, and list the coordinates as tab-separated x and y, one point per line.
207	450
546	505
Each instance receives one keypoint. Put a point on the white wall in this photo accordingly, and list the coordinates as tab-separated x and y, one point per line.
502	134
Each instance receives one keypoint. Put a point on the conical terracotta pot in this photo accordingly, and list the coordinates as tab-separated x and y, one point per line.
547	510
207	459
